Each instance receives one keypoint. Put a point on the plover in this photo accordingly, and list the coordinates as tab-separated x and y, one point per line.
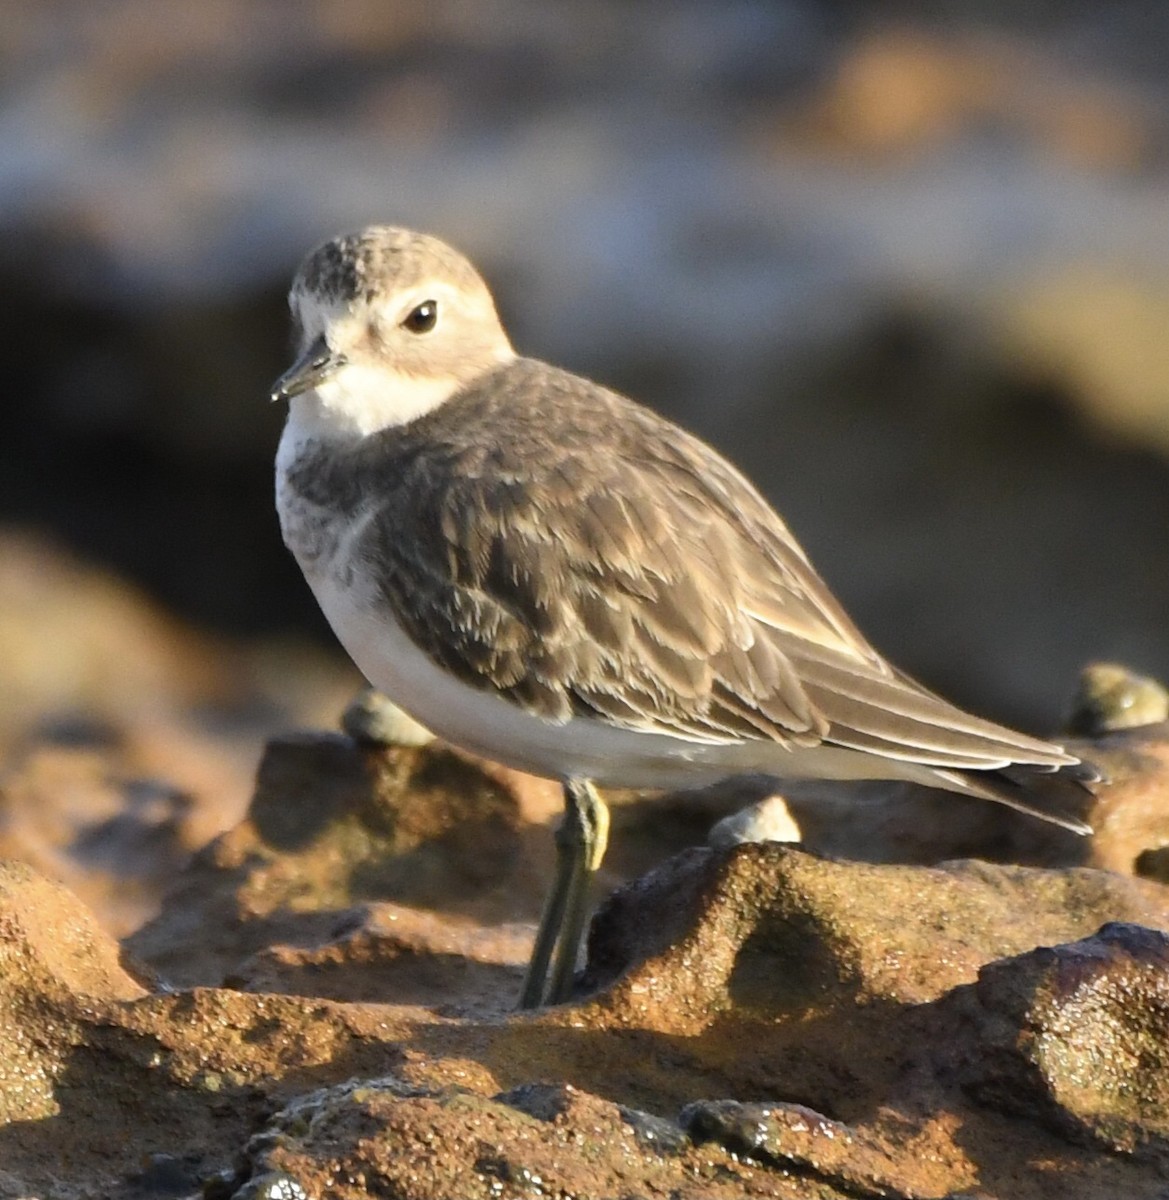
547	574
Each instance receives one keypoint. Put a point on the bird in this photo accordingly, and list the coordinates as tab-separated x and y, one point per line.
547	574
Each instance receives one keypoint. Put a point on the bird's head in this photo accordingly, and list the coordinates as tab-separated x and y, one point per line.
389	325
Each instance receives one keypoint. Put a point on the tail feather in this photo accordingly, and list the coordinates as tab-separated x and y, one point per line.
1052	796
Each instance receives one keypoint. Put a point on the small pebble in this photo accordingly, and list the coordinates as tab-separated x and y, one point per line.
272	1185
769	820
655	1133
375	720
1111	697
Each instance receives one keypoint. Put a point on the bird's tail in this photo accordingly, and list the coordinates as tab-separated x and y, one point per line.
1059	795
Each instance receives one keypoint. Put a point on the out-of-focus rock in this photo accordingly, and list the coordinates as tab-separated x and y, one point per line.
335	828
851	288
901	91
78	640
1077	1036
1110	697
117	841
1095	334
374	718
128	739
1130	812
768	820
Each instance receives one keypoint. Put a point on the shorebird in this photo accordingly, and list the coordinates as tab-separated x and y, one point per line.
549	575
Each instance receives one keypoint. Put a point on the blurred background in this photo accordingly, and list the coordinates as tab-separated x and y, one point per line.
907	264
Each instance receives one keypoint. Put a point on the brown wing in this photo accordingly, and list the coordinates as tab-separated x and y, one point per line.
635	576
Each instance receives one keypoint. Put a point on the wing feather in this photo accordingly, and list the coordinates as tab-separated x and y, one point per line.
635	577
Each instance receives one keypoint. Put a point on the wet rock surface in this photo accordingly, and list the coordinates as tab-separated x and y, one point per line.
1078	1037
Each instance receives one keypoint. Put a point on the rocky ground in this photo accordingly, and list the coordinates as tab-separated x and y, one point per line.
966	1002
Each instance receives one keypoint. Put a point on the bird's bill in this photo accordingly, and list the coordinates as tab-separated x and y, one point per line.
311	369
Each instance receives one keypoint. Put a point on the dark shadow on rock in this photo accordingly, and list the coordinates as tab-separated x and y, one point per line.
117	1106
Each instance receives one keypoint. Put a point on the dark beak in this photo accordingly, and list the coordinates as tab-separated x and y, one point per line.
313	367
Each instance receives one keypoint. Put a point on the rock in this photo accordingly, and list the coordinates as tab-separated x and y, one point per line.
75	639
51	943
762	1021
127	739
1077	1036
836	1008
379	952
375	719
53	957
795	1138
774	932
110	1093
335	830
769	820
117	840
289	899
1087	327
1111	697
1130	813
1154	864
385	1137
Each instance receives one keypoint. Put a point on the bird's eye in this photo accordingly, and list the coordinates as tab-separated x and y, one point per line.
423	318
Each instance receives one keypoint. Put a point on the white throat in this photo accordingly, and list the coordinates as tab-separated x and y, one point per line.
360	400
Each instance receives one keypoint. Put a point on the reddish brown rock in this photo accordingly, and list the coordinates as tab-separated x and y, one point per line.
334	830
766	1022
847	1059
127	739
770	931
1077	1036
1130	815
798	1139
50	942
52	954
380	951
115	838
382	1137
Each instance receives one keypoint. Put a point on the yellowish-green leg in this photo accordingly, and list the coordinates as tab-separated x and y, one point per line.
581	840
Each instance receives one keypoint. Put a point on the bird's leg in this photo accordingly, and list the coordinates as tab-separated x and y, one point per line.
587	820
581	840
